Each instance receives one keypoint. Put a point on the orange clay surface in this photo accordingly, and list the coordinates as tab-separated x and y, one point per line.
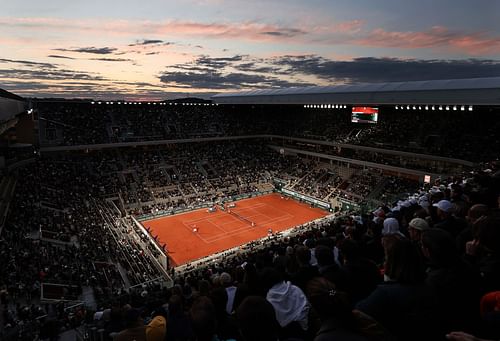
220	230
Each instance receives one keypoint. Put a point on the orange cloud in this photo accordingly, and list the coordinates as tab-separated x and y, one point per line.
437	36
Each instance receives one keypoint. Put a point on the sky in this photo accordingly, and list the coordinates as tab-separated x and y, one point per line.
159	49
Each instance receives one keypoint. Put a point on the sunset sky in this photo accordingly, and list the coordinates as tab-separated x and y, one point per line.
154	49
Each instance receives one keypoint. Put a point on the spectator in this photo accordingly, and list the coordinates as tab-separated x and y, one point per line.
446	220
257	320
334	310
451	278
289	303
135	328
403	304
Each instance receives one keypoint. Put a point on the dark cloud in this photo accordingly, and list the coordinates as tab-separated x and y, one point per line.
285	33
255	67
152	53
112	59
28	63
217	80
49	74
59	56
387	69
146	42
217	62
94	50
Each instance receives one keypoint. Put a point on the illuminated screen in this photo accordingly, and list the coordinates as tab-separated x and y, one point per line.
364	115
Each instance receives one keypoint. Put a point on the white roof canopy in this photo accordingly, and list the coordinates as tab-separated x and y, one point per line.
477	91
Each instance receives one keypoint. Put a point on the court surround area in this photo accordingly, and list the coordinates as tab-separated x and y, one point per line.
200	233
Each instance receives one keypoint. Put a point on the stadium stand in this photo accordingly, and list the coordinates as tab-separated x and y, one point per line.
76	258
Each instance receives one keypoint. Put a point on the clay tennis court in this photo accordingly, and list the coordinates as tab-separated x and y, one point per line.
221	230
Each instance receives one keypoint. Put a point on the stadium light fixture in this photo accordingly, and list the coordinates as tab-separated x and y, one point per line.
92	102
462	108
419	107
407	107
447	107
454	107
426	107
396	107
470	107
433	108
440	107
414	108
98	102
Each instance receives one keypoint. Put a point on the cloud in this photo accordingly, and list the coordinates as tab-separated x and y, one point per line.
47	74
93	50
147	42
477	43
28	63
112	59
59	56
247	30
286	32
255	67
386	69
219	81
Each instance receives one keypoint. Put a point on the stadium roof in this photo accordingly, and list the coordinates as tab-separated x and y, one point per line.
10	105
473	91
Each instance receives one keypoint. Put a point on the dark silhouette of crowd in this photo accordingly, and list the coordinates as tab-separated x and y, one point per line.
453	133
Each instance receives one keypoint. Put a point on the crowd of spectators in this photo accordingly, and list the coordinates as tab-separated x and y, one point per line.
458	134
424	268
382	275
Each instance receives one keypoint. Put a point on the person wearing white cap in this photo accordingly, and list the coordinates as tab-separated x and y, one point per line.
391	226
447	221
415	229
